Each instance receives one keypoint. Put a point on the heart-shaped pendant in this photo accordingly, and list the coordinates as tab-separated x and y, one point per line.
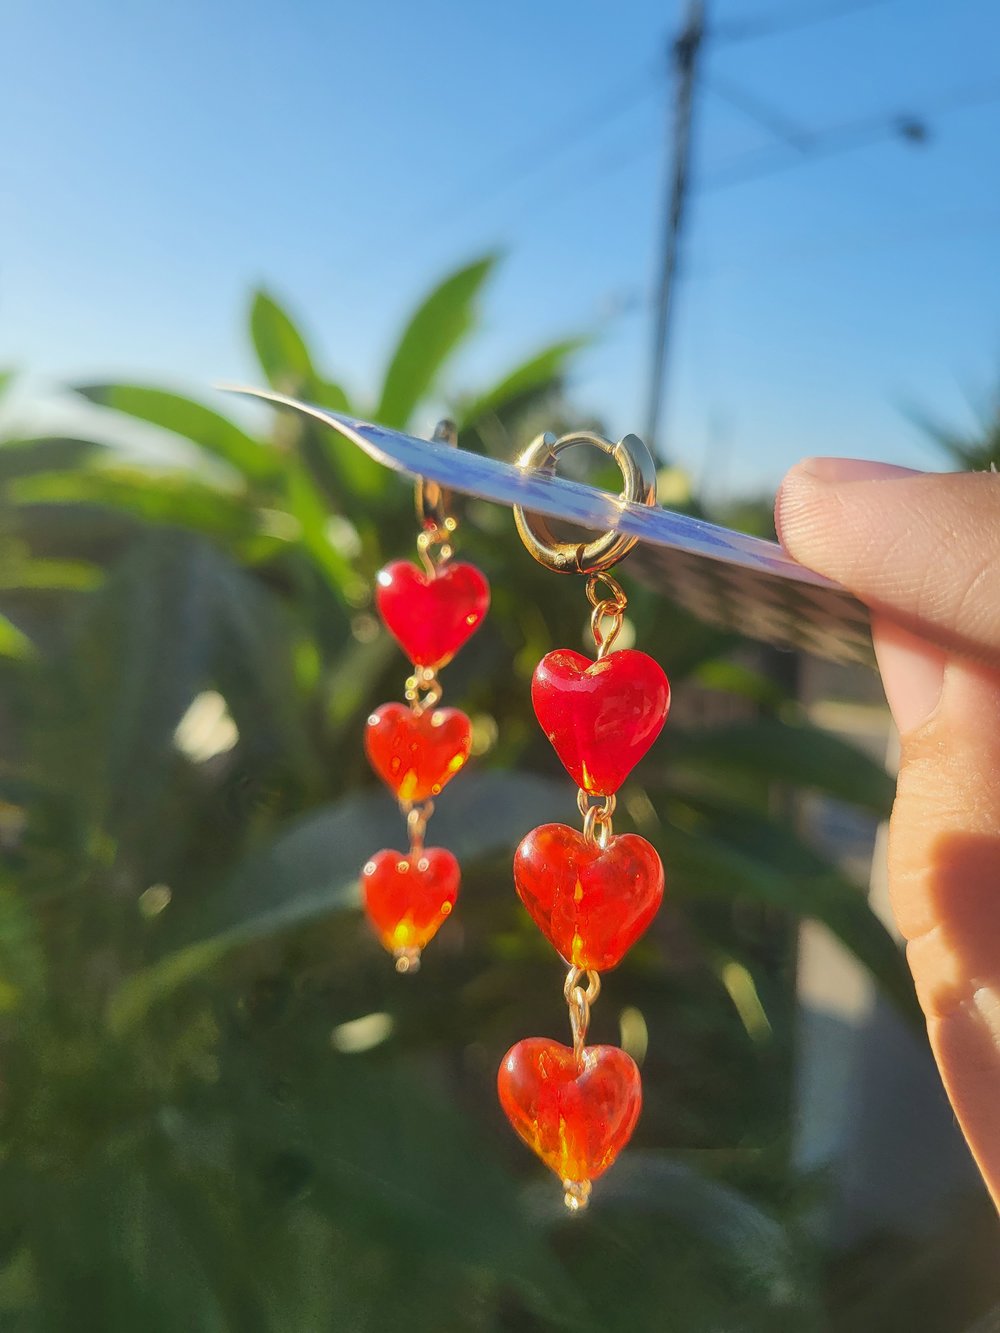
416	754
430	617
576	1116
591	903
602	716
408	896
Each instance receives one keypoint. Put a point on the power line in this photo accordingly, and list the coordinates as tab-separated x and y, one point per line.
687	50
768	117
524	162
863	132
787	19
912	230
757	164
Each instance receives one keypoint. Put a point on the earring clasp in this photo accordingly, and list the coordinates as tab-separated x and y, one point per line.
639	487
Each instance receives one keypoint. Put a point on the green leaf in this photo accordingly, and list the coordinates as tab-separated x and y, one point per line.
767	864
107	1240
57	575
327	393
769	750
174	618
200	425
647	1183
6	380
306	505
13	643
165	498
74	531
26	458
542	372
285	358
281	349
729	677
22	959
424	1189
434	332
660	1236
312	870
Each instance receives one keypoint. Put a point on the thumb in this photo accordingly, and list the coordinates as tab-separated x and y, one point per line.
920	551
921	547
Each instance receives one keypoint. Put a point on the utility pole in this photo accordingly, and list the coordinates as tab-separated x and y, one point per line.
685	53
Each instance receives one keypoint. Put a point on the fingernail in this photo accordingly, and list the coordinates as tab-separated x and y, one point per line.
853	469
912	673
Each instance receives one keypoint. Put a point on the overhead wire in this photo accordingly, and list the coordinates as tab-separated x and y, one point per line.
524	162
850	135
788	18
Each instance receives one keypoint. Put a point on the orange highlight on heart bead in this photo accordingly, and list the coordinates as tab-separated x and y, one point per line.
576	1116
416	754
591	903
407	897
431	616
602	716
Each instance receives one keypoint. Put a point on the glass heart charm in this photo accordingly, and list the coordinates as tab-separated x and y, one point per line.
591	902
602	716
592	893
416	754
417	748
577	1114
431	615
407	897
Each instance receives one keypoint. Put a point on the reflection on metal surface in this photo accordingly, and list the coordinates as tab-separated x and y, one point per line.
724	577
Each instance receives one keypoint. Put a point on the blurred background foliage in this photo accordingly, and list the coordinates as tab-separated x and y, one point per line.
221	1108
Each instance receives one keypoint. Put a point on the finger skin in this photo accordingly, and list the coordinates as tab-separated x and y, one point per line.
944	881
923	548
924	553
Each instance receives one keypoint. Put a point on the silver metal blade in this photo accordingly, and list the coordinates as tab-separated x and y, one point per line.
727	578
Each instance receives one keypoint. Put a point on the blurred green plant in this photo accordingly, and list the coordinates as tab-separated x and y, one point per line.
221	1108
975	450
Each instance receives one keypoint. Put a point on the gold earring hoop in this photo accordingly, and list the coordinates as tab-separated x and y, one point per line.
639	487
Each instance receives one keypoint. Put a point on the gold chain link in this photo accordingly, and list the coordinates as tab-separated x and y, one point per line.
611	609
423	690
597	826
416	825
579	1001
435	546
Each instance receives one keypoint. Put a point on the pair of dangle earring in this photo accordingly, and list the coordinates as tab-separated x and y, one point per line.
417	747
592	893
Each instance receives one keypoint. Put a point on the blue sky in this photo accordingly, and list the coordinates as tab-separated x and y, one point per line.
161	160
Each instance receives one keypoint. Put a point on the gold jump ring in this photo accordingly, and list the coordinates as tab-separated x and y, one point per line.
639	478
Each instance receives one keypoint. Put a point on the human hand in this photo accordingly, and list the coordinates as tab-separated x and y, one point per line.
922	551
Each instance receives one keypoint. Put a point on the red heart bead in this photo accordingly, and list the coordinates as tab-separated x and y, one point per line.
416	754
576	1117
431	616
601	717
591	903
408	896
